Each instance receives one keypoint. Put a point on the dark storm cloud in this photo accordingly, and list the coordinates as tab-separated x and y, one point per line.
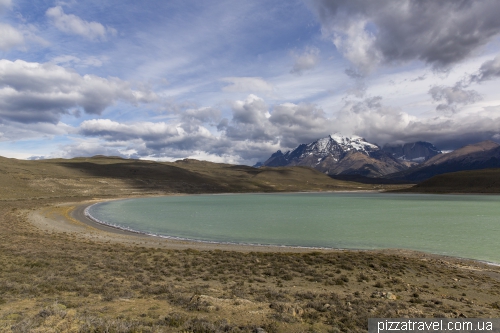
439	33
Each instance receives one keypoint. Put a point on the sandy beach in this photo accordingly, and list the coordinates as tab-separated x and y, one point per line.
71	218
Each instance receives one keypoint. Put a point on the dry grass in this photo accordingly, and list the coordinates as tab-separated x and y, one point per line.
111	177
52	282
57	282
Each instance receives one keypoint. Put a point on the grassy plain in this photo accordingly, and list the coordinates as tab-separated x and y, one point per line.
80	279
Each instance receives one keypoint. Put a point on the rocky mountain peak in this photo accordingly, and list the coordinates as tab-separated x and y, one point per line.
419	151
341	154
353	142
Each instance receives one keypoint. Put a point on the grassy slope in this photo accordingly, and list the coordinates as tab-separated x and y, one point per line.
477	181
104	176
56	282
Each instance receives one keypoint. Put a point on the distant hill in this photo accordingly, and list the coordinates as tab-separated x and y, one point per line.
476	181
102	176
352	155
482	155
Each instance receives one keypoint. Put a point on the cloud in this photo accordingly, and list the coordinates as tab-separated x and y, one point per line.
255	130
31	92
249	121
10	37
439	33
352	73
90	147
246	84
382	124
14	131
150	139
286	125
419	78
305	61
72	24
300	123
191	119
488	71
114	131
70	60
179	137
453	97
358	45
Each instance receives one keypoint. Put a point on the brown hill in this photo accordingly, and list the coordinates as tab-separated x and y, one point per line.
476	181
479	147
112	176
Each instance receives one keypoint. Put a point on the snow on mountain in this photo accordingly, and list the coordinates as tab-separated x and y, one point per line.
337	154
334	145
354	142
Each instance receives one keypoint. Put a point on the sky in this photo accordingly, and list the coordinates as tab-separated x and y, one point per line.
234	81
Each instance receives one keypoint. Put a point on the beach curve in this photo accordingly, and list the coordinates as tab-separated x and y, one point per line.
106	233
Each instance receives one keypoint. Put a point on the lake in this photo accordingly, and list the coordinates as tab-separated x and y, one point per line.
457	225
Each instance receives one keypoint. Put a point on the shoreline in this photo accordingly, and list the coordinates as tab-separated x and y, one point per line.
116	234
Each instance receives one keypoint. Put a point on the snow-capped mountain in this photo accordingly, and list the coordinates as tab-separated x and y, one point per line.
339	154
335	146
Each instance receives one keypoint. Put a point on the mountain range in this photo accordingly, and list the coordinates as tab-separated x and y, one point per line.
481	155
416	161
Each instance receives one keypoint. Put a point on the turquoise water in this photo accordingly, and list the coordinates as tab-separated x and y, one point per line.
458	225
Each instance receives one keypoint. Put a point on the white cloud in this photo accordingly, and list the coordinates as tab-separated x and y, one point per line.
382	124
33	92
90	147
115	131
246	84
73	24
10	37
154	138
305	61
357	44
249	121
256	130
